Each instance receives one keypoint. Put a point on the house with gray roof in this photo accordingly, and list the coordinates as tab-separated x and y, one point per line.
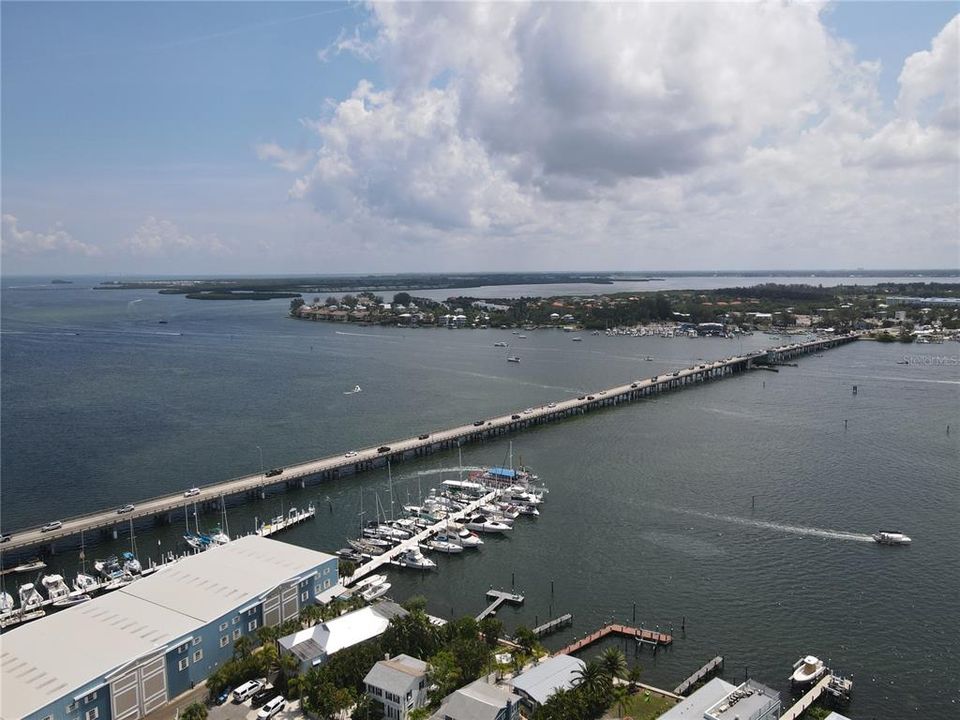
399	684
480	700
536	685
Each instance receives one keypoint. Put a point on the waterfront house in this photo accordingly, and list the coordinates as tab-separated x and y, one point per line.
536	685
122	655
315	645
480	700
399	684
719	700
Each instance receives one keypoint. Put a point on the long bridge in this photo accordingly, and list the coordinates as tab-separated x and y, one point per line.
165	507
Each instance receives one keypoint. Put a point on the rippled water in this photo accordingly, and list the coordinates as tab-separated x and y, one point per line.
741	506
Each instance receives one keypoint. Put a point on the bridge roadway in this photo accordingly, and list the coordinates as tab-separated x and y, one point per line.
368	458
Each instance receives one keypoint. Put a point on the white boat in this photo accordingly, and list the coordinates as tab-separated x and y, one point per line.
513	359
372	592
891	537
467	538
371	580
355	390
431	515
366	547
30	599
6	603
84	583
59	594
578	339
468	487
131	565
219	536
445	543
500	344
481	523
807	670
413	558
29	566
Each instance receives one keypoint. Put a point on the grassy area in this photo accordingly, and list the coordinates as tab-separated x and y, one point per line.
642	706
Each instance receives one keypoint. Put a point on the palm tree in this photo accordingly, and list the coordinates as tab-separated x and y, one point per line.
614	663
633	677
620	696
591	678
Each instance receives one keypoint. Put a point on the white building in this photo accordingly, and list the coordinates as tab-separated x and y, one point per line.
536	685
719	700
399	684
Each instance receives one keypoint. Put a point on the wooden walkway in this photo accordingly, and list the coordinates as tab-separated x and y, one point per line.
553	625
807	700
638	634
703	673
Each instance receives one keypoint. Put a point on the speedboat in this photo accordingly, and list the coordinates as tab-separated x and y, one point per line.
6	603
497	515
445	543
372	592
350	554
219	537
431	515
482	523
84	583
355	390
891	537
467	539
807	670
413	558
29	566
30	599
371	580
513	359
59	594
130	563
500	344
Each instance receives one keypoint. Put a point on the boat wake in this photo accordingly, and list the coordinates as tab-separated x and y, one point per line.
366	335
438	471
780	527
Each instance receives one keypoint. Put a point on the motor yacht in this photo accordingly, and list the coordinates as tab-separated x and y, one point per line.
372	592
30	598
6	603
467	539
131	565
60	594
891	537
807	670
445	543
413	558
482	523
29	566
84	583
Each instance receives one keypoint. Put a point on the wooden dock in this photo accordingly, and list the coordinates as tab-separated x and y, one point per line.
711	668
282	522
808	699
553	625
499	597
639	634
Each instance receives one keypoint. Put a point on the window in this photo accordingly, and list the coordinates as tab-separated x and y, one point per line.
326	584
224	640
251	612
326	571
73	706
196	640
92	714
182	665
48	717
91	697
223	626
236	620
198	656
182	649
304	596
236	633
252	625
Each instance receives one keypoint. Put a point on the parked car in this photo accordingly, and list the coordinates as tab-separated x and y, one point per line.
272	708
246	690
125	509
260	697
55	525
191	492
222	697
383	449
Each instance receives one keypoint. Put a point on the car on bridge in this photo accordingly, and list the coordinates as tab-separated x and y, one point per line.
424	436
6	537
514	417
274	472
552	405
191	492
352	453
477	423
125	509
383	449
50	526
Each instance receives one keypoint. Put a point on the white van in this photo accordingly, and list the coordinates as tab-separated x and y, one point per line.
272	708
246	690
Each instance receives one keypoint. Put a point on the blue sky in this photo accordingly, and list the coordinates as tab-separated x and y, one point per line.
117	113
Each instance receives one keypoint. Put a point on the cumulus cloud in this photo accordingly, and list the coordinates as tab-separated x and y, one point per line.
56	240
629	127
283	158
156	238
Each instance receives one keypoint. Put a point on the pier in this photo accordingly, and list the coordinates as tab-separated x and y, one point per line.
811	696
711	668
499	597
638	634
166	508
553	625
282	522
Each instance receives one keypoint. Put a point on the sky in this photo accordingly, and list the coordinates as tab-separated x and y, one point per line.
270	137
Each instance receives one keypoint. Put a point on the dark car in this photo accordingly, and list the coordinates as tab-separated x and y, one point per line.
633	385
222	697
514	417
424	436
478	423
261	697
590	397
274	472
383	449
582	397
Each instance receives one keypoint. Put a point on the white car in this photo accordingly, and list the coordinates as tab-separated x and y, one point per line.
272	708
246	690
552	405
528	411
55	525
191	492
352	453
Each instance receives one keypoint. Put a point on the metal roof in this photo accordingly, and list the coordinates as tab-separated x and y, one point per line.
555	673
397	675
699	702
477	701
63	653
345	631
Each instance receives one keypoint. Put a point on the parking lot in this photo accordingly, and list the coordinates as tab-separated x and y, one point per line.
243	711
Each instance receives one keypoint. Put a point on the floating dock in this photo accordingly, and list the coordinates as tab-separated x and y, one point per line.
639	634
499	597
281	522
711	668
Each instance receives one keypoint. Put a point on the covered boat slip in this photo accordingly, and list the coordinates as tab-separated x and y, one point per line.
128	652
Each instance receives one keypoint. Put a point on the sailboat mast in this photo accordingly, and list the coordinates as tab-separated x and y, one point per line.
390	489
